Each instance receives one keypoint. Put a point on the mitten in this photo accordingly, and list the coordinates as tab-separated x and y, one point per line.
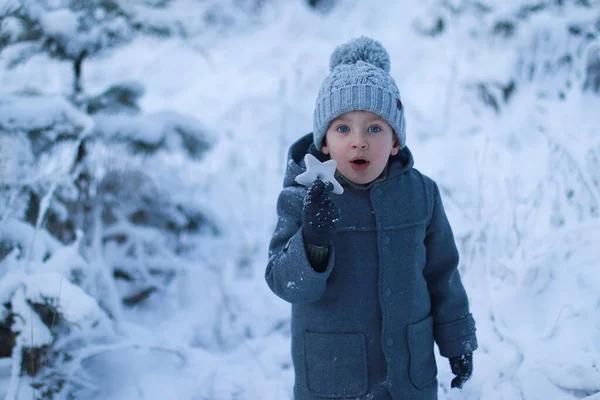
319	214
462	367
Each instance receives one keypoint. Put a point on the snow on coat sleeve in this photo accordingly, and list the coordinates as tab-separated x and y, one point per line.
454	327
288	273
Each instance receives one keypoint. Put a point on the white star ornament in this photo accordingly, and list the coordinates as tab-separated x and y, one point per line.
316	169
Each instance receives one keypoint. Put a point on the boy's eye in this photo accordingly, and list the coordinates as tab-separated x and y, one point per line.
343	129
374	129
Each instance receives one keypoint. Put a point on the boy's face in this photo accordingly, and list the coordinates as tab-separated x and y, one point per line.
361	143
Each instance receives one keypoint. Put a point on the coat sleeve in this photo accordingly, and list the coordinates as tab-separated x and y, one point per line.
454	326
289	273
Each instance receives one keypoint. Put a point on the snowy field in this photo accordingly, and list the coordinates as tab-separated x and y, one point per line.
496	114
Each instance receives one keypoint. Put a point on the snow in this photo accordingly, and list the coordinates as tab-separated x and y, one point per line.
74	304
122	373
12	28
18	232
50	115
166	126
76	307
29	324
61	23
520	186
15	158
319	170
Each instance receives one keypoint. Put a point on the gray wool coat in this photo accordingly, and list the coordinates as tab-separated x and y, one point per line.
365	327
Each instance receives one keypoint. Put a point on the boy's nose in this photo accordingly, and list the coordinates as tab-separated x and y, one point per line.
359	142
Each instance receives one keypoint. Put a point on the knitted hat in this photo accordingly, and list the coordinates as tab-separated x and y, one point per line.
359	80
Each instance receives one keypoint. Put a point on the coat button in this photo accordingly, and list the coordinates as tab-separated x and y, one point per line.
378	192
390	342
386	239
388	292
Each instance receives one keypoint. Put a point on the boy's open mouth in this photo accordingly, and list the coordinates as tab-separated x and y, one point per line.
359	163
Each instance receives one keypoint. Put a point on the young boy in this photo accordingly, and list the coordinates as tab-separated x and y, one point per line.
371	273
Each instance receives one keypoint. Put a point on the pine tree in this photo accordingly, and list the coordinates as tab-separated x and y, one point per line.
86	189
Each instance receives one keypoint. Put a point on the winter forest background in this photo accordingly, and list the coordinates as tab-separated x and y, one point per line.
142	148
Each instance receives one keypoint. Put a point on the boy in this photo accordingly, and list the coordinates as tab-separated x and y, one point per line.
371	273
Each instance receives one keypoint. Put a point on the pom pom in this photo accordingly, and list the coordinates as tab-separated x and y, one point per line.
362	48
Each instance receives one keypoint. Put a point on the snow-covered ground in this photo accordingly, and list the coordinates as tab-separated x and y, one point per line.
520	184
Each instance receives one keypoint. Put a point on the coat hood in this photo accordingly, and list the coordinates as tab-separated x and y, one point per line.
398	164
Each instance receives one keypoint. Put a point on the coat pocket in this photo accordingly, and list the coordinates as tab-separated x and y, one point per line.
336	364
422	369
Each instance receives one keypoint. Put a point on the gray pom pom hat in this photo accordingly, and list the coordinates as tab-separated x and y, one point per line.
360	80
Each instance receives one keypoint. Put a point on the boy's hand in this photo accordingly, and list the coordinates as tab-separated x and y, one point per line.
462	367
319	214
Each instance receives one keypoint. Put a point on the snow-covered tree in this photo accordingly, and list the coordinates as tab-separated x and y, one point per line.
76	30
89	189
81	182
